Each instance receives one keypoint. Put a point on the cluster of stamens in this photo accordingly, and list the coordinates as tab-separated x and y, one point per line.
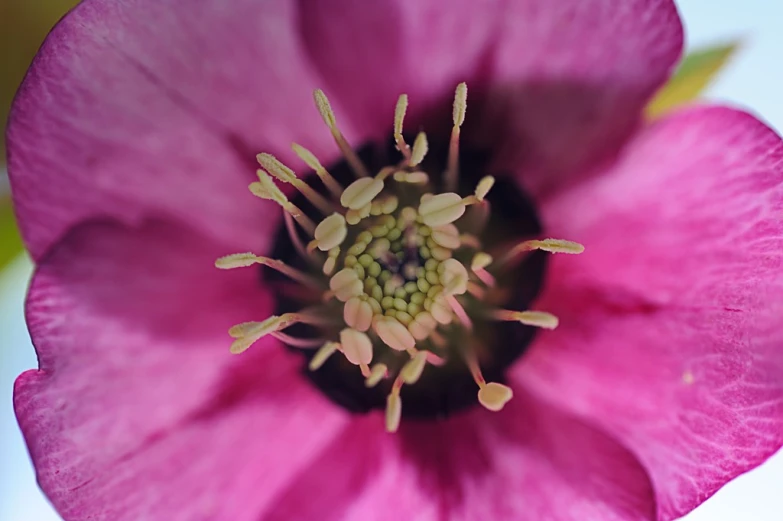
389	245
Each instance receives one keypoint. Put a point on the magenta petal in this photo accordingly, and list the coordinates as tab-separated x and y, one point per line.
528	463
670	333
560	83
157	108
138	410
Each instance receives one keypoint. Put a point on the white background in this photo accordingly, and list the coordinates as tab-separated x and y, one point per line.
754	80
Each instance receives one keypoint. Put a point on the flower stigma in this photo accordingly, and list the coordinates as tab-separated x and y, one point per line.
398	262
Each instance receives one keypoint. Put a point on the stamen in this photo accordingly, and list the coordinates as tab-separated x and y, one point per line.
285	175
480	261
252	334
361	192
441	209
328	116
453	276
420	148
346	284
550	245
411	371
393	333
494	396
322	355
330	232
310	160
458	116
331	261
243	260
358	313
356	346
265	188
399	117
446	236
394	407
484	186
540	319
377	373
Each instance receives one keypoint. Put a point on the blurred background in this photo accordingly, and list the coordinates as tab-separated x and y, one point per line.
734	47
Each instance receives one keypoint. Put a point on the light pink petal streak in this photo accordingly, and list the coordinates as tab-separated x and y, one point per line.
554	84
156	108
671	333
528	463
138	411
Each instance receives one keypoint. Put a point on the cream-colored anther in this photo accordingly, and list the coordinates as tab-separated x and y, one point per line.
310	160
540	319
393	333
494	396
446	236
356	346
322	355
420	148
377	373
458	116
393	411
460	104
399	117
325	109
259	330
236	260
484	186
358	313
480	261
265	188
550	245
329	265
414	178
453	276
285	175
441	209
441	310
243	329
346	284
361	192
422	325
331	232
411	371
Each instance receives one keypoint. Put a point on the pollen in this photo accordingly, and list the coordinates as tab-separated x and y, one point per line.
394	269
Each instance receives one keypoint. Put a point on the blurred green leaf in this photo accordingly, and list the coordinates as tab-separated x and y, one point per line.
10	242
696	72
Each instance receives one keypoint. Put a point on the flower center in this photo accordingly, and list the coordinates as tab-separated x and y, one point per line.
398	274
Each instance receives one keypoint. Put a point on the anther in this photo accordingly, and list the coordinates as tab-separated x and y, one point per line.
399	117
484	186
285	175
377	373
420	148
310	160
252	334
361	192
540	319
394	407
549	245
330	232
494	396
393	333
346	284
458	116
441	209
356	346
265	188
358	313
412	370
325	109
322	355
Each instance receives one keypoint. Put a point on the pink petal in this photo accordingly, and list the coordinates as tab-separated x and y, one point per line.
543	77
138	410
156	108
670	334
527	463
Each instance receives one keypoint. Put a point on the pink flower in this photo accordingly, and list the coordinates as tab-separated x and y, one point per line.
130	145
